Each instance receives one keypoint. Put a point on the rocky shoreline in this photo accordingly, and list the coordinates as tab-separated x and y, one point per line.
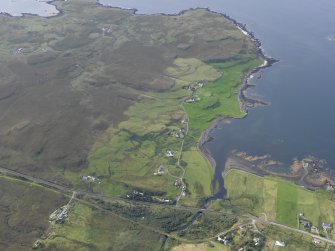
309	172
245	101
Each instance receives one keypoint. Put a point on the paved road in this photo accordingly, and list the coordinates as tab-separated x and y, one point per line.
38	180
300	231
69	190
193	209
73	197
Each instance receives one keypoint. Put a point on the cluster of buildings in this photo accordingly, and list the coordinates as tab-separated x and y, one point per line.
137	193
19	51
143	196
193	89
280	244
178	183
59	215
307	225
256	241
166	201
192	100
37	245
224	239
326	227
90	179
316	165
316	242
183	192
179	133
169	154
160	171
315	229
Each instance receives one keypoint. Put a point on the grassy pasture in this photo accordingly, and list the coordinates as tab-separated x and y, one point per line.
287	200
97	91
132	152
280	200
219	97
101	91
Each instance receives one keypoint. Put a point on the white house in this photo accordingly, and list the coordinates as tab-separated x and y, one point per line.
280	243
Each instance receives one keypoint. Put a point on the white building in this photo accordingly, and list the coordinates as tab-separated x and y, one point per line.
169	154
280	243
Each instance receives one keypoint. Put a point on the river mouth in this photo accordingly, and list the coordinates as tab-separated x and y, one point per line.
246	103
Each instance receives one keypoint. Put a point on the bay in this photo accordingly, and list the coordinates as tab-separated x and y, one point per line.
300	119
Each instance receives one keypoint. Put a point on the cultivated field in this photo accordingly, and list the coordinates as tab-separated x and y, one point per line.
281	201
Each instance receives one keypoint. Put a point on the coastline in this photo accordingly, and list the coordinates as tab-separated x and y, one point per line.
245	101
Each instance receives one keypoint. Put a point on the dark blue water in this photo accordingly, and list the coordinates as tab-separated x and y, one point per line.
300	119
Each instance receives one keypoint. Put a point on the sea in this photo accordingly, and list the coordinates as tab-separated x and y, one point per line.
300	89
35	7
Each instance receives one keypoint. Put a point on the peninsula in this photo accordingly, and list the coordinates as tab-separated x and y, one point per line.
102	113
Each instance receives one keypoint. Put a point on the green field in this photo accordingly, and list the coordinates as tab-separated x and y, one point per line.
220	98
287	203
280	200
131	154
101	95
99	91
